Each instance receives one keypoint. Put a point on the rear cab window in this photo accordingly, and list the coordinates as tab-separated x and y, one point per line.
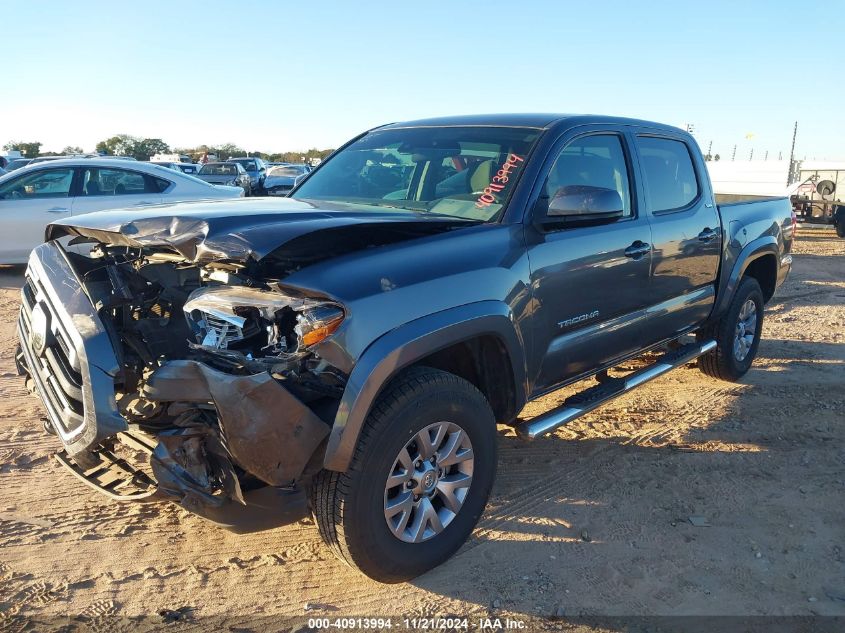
669	175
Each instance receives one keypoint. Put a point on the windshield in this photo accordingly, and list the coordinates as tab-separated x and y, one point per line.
292	172
219	169
246	163
466	172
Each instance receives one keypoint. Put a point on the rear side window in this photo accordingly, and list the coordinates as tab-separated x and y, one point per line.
97	181
157	185
670	181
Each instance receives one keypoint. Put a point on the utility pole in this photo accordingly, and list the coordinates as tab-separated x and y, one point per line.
710	148
789	179
766	157
751	155
733	156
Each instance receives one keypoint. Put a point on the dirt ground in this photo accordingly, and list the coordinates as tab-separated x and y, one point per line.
592	521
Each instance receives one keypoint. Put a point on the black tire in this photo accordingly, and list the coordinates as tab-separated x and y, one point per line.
721	362
349	507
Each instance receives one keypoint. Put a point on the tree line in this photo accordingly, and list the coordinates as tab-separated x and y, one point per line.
142	148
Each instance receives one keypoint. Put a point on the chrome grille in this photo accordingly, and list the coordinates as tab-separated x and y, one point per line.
68	352
55	368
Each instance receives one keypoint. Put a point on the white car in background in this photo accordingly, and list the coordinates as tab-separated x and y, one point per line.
32	198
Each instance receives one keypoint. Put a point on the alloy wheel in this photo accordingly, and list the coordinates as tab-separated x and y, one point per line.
746	330
429	482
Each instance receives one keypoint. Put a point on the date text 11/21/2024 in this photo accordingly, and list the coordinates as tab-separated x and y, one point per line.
418	624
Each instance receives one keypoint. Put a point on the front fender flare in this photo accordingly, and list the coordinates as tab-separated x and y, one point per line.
400	348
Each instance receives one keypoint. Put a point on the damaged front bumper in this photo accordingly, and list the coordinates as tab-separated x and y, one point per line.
122	480
231	429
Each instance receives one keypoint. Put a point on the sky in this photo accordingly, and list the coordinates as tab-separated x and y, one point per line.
279	76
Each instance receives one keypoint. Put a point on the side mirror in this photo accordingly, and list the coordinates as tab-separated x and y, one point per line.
586	203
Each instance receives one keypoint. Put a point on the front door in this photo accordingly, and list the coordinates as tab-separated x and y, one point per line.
28	203
589	283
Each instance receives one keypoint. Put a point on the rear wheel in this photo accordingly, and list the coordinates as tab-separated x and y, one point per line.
419	479
737	334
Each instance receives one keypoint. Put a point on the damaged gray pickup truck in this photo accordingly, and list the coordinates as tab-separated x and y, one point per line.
355	345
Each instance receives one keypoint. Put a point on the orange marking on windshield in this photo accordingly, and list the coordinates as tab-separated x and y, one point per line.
500	180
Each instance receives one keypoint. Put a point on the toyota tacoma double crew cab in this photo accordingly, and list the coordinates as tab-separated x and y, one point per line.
355	345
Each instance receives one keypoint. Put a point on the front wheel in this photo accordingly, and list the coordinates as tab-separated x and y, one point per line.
419	479
737	334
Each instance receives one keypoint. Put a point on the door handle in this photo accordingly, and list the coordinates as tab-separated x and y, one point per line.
707	235
143	204
57	209
638	250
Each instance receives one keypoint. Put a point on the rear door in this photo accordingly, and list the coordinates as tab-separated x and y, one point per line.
589	283
686	232
28	203
104	188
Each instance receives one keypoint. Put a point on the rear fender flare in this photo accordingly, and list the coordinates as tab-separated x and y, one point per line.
762	246
402	347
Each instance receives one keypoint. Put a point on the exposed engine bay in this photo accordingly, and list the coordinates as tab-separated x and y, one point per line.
219	366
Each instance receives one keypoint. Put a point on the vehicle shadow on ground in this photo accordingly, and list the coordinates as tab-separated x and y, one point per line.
808	236
797	354
698	522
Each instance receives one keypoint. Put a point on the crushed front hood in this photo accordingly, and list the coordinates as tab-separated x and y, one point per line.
246	229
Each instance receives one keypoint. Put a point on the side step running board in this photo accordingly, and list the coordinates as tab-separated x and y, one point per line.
584	402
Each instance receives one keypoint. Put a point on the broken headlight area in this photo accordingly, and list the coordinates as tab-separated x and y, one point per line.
260	324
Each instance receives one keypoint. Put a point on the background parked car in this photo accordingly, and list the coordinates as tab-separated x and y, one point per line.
280	180
226	174
185	168
17	163
32	198
255	167
839	221
44	159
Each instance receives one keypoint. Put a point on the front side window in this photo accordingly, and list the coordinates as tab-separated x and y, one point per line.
466	172
670	181
47	183
592	161
97	181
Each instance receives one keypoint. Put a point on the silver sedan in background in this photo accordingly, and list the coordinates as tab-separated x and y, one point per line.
43	193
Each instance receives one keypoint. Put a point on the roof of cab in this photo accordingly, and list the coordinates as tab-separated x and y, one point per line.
530	120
